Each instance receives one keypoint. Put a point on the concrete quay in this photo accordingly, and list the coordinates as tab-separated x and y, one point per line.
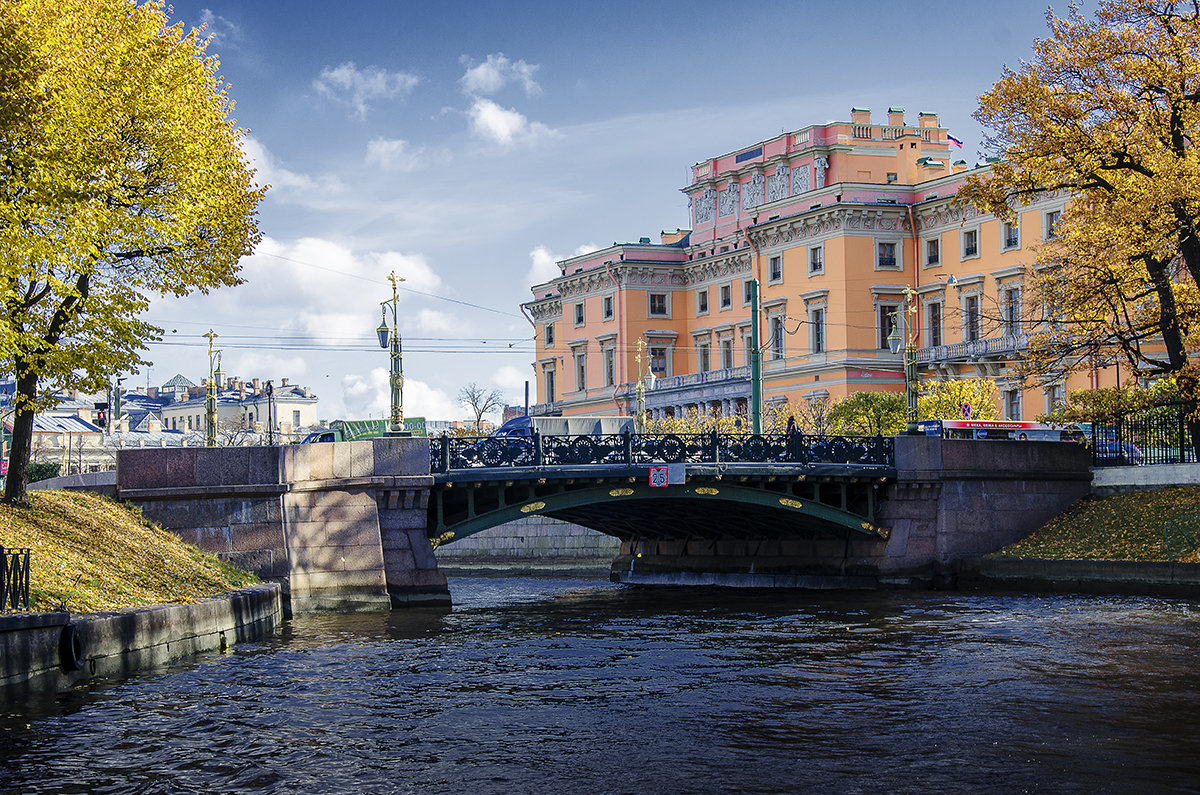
51	652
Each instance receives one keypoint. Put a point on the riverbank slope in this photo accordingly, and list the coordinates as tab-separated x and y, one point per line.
91	553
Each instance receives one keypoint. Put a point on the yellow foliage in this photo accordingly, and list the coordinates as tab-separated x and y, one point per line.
122	176
943	400
91	553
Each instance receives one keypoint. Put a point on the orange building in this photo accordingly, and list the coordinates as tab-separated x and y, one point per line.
842	225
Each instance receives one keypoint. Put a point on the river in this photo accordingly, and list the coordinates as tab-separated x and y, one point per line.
582	686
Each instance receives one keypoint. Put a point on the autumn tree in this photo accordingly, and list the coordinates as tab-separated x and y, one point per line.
1108	110
870	413
944	400
480	401
121	177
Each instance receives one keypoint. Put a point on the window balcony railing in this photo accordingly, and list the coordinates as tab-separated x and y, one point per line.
970	250
1011	241
973	349
887	262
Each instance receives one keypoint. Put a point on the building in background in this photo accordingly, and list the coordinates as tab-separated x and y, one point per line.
835	221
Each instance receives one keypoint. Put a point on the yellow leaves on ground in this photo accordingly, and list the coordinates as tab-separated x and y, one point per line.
1147	525
91	553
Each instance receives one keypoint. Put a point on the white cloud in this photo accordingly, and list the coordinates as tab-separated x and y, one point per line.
544	265
219	29
265	365
511	380
431	320
496	72
392	154
286	185
504	126
369	396
357	88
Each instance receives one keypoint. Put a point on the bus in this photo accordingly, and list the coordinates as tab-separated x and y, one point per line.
1006	430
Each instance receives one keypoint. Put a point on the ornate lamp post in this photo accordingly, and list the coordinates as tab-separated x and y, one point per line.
910	356
392	335
210	400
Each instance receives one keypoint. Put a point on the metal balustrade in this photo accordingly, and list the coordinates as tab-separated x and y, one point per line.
448	453
14	579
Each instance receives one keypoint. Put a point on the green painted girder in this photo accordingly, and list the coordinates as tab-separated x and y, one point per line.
715	509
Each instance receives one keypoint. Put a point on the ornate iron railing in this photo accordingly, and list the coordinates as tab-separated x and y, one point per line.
14	579
470	452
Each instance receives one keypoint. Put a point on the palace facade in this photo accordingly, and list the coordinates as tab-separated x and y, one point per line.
843	225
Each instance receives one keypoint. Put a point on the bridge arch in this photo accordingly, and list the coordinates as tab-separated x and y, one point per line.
749	507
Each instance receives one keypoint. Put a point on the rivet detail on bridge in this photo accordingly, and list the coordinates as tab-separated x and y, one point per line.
789	503
620	492
533	506
707	490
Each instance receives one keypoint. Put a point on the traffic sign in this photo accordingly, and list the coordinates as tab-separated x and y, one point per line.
658	476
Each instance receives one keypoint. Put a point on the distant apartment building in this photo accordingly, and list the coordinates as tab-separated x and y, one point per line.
835	221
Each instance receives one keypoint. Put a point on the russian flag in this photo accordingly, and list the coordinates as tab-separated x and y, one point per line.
954	140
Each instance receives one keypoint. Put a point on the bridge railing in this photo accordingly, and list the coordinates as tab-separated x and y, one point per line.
489	452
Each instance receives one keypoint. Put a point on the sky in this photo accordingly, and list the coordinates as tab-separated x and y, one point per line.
467	146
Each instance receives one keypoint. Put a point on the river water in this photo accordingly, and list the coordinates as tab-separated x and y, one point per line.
581	686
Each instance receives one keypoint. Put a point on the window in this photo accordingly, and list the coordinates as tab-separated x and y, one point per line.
296	419
579	314
887	255
549	386
816	321
934	327
249	418
702	361
1012	404
549	335
189	422
580	371
970	243
1012	239
610	372
658	361
776	270
658	304
971	318
1052	224
746	290
607	307
932	252
726	354
702	301
887	321
1012	312
1054	397
816	259
726	296
777	338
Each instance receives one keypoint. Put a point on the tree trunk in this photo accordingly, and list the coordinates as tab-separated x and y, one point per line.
22	436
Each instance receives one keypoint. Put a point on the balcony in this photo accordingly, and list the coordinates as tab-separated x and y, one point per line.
887	262
974	349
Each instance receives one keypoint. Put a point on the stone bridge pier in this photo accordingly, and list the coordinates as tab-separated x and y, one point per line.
339	525
949	500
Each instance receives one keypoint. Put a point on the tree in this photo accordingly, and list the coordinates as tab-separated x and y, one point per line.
480	401
870	413
944	400
121	177
1108	109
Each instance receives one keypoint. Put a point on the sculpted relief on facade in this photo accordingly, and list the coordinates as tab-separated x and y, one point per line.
800	179
777	185
752	192
727	200
704	206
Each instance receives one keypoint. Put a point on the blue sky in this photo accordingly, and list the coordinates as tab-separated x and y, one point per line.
468	145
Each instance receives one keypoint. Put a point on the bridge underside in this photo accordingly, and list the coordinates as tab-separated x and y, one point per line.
716	506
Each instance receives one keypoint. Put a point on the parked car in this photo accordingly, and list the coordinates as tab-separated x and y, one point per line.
1108	452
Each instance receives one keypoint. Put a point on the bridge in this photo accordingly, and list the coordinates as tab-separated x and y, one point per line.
346	524
712	485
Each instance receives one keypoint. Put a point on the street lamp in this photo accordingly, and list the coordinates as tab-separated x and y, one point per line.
910	357
210	400
392	335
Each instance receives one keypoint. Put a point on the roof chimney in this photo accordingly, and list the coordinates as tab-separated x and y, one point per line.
896	117
860	115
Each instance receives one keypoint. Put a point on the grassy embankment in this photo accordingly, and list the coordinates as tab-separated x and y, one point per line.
91	553
1147	525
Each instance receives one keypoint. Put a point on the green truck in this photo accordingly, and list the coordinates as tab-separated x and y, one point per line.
354	430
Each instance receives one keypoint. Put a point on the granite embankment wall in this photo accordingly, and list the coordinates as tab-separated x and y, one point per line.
535	545
50	652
